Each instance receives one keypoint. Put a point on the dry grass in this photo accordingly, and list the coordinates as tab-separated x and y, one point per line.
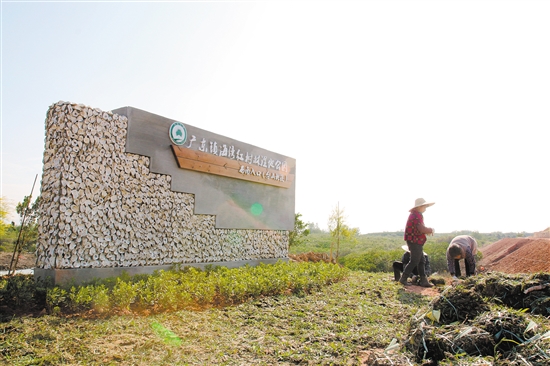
331	326
367	319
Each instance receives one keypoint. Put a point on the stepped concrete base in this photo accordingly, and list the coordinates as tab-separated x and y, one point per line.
76	276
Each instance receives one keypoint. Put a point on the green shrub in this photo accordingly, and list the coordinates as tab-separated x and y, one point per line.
375	260
198	285
123	294
174	290
376	252
56	300
21	293
88	297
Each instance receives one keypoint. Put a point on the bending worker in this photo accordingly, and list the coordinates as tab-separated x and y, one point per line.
462	247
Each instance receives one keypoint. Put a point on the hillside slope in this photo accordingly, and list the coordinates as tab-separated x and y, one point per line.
517	255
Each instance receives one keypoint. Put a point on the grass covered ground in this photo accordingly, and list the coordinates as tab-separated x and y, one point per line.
284	314
289	314
331	325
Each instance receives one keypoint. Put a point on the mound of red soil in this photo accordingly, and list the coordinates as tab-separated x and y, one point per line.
311	257
517	255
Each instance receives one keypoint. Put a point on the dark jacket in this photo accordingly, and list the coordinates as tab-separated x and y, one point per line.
407	258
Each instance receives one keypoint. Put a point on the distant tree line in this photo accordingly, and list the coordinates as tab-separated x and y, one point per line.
375	252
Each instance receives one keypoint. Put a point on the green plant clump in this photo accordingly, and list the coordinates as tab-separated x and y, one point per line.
174	290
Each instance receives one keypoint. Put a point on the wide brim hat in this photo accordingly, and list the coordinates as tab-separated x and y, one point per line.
421	202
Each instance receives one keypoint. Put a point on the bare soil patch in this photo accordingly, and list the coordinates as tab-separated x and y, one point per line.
517	255
426	291
311	257
26	260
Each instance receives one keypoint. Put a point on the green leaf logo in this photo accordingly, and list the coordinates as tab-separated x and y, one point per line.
178	133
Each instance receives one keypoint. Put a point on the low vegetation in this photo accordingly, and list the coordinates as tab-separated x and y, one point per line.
288	313
376	253
24	235
185	288
349	313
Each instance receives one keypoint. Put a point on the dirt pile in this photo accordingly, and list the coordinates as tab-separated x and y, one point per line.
25	260
311	257
489	319
517	255
486	315
543	234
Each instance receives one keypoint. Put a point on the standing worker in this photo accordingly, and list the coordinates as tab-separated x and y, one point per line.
415	236
462	247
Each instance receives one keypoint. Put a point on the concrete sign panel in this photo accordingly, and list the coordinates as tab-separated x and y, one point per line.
244	186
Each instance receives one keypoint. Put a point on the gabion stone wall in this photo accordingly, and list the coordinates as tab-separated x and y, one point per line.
101	207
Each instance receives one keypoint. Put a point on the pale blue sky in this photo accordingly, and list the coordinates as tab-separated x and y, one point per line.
380	102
